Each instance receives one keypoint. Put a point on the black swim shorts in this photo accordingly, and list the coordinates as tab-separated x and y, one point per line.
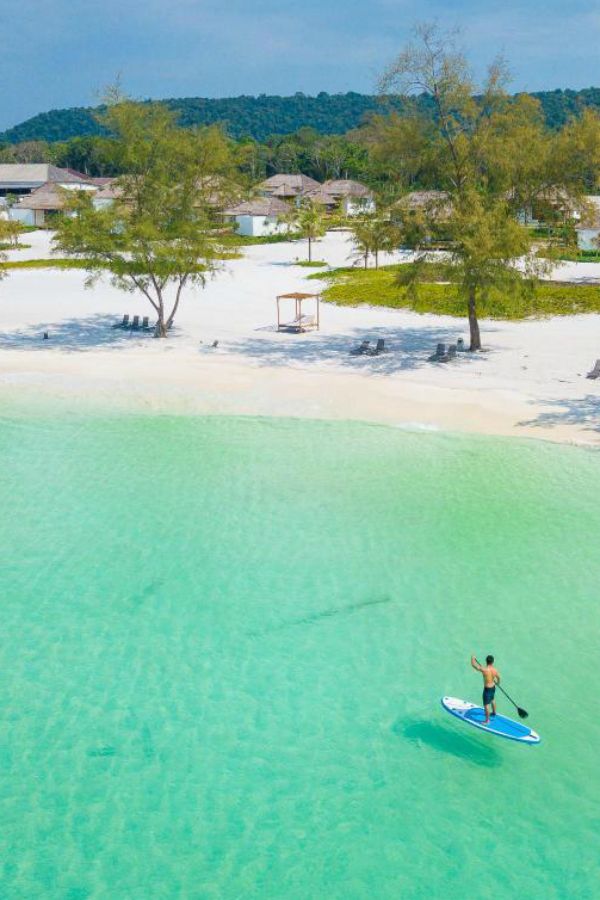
488	695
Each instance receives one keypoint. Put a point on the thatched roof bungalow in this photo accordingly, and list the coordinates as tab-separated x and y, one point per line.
287	186
40	206
260	217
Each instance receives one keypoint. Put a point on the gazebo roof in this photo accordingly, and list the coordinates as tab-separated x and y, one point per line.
296	295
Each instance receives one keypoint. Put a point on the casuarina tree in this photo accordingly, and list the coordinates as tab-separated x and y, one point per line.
157	234
473	141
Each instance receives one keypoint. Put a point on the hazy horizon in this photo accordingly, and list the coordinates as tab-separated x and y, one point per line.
195	48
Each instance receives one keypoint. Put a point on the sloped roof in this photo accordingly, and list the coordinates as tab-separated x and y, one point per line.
260	206
346	187
421	199
38	174
437	204
321	196
110	191
285	190
48	196
288	184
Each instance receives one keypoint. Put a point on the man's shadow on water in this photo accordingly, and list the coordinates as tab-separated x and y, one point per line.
438	737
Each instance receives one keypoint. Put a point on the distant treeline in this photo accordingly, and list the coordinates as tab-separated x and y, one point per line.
264	116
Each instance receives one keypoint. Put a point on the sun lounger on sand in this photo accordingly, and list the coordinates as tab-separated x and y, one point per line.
377	349
299	325
136	323
124	323
362	348
595	373
146	323
439	353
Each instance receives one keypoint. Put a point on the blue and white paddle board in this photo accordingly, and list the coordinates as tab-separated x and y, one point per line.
501	726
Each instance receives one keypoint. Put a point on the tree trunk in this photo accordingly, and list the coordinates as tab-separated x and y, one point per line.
377	259
309	248
473	323
366	259
176	304
161	326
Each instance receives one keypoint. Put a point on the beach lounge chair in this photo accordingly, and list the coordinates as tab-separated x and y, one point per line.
362	348
146	323
451	352
460	345
214	345
124	323
378	348
303	323
595	372
439	353
136	323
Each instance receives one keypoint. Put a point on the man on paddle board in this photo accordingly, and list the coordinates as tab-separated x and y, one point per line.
491	677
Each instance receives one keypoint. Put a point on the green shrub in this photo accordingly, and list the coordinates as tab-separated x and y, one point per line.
354	287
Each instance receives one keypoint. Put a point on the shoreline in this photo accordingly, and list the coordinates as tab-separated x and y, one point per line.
124	383
529	382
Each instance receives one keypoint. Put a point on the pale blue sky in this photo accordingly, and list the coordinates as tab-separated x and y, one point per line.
57	53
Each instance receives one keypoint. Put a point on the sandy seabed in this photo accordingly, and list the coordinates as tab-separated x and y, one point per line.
529	381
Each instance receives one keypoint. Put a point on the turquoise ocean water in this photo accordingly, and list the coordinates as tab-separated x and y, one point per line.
224	642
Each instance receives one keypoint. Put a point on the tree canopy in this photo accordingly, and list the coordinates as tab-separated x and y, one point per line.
264	116
157	237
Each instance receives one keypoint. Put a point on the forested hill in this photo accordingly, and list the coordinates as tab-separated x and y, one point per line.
257	117
260	117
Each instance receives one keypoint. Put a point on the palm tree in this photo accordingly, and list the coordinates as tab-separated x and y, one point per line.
308	219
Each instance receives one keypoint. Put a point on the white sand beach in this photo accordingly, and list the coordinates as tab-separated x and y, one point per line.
529	381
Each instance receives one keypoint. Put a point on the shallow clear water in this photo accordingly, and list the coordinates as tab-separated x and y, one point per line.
223	647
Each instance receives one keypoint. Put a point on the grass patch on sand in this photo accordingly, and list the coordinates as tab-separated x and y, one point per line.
581	256
13	247
355	287
310	263
57	263
67	263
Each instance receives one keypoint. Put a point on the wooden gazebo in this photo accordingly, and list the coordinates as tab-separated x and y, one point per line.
300	322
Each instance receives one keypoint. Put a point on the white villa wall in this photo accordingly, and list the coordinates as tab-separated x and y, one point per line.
259	226
25	216
587	238
354	206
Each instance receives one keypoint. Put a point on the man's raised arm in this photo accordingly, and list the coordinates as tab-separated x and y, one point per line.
475	664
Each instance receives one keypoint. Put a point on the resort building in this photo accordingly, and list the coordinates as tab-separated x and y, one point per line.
351	196
41	205
424	200
588	229
106	195
287	187
22	178
260	217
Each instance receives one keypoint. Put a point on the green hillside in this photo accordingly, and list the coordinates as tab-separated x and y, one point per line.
257	117
260	117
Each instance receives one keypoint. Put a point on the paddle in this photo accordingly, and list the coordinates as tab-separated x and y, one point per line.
522	712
